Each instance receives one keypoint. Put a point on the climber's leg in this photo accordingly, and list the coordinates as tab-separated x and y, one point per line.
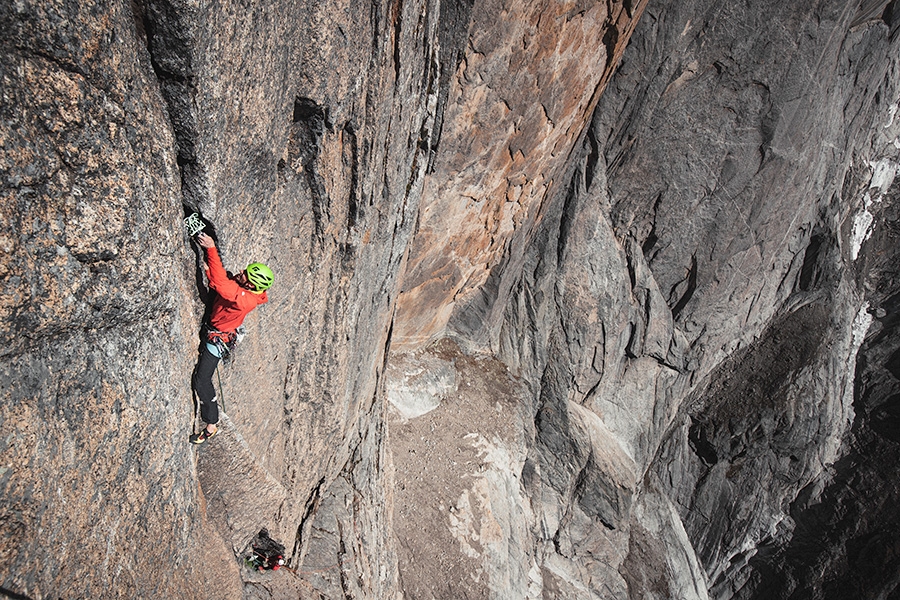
203	384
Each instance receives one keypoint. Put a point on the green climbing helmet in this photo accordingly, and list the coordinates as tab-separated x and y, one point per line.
260	276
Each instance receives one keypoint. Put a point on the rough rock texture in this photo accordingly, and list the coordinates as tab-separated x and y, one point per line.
519	100
845	545
660	237
300	132
98	493
757	434
459	508
690	312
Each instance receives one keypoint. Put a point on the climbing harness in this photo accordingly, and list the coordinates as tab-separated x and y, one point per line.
193	224
224	341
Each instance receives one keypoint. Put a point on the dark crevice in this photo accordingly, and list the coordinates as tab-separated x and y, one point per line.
61	63
608	526
888	16
312	505
629	264
650	242
308	111
610	39
310	121
593	390
810	271
652	238
424	143
700	444
556	546
691	286
398	31
768	123
453	37
387	345
630	350
593	157
351	163
165	33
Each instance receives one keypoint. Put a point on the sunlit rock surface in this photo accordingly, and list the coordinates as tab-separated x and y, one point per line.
518	103
573	299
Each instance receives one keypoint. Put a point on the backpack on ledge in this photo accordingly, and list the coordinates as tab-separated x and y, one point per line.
265	553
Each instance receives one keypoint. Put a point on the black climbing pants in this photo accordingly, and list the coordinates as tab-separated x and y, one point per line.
203	385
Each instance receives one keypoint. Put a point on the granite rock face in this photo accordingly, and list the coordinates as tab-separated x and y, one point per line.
690	312
518	104
97	492
573	299
300	133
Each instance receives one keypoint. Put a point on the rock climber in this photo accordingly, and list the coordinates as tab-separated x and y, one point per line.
236	296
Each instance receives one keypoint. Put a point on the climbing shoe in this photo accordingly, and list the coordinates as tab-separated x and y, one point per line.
199	438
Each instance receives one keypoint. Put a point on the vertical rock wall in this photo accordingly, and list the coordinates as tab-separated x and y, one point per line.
301	133
696	291
668	271
98	496
518	103
687	314
843	539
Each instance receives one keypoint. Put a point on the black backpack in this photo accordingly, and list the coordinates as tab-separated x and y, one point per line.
265	553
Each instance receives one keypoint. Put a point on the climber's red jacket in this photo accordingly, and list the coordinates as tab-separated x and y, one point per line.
233	301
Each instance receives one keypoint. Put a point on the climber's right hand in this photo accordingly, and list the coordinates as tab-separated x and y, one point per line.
205	241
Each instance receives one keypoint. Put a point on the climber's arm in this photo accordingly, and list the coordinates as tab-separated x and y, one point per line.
218	278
